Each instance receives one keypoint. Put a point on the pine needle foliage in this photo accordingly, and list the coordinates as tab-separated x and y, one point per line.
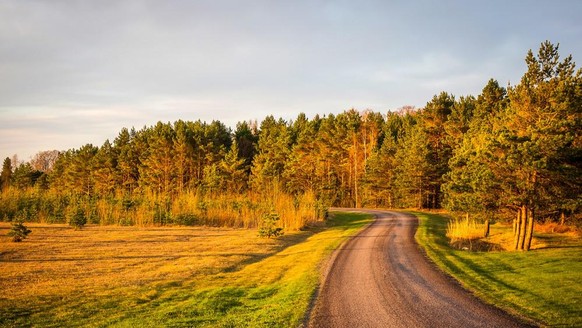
269	226
18	231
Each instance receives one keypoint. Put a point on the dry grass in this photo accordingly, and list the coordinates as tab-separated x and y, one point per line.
192	208
465	229
469	235
130	277
554	227
56	259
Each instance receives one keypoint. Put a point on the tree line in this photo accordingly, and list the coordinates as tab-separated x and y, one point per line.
510	151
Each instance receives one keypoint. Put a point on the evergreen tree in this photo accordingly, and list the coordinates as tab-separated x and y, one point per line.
232	171
302	171
78	173
6	175
412	173
471	185
25	176
433	120
246	137
105	170
157	170
273	149
183	153
18	231
127	149
380	166
540	141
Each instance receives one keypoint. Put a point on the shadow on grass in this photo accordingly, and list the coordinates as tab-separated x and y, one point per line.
338	220
556	240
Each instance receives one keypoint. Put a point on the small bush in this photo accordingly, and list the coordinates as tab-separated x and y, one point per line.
268	227
78	219
186	219
18	231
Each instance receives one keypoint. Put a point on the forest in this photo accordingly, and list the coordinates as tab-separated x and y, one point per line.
512	153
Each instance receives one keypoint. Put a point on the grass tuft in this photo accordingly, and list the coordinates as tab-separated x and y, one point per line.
464	229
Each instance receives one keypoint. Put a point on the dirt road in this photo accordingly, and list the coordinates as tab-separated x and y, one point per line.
380	278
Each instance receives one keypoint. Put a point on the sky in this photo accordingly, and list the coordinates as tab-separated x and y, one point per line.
77	72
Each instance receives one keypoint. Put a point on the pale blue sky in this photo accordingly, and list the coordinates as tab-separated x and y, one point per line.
76	72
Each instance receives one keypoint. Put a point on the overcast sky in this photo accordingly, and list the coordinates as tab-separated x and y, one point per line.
76	72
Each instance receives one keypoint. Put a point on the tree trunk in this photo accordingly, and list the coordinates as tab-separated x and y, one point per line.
530	229
515	219
523	227
562	218
517	229
487	228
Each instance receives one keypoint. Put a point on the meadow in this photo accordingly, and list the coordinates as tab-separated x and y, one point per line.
544	284
165	276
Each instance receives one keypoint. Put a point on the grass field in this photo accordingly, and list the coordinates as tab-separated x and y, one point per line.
131	277
544	284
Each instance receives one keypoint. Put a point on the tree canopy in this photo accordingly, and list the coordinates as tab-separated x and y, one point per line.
507	152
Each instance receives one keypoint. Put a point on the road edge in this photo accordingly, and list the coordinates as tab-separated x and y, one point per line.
328	264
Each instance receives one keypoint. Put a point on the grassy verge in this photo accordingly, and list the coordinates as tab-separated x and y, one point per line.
130	277
544	284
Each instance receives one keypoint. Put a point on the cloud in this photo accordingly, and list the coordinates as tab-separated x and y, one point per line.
76	72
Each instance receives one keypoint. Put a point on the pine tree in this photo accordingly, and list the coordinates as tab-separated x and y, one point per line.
25	176
412	173
18	231
380	166
246	137
105	170
301	173
6	175
433	120
471	185
79	171
539	133
232	171
273	149
183	153
128	150
157	172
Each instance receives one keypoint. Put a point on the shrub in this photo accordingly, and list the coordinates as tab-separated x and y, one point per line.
268	227
18	231
186	219
78	219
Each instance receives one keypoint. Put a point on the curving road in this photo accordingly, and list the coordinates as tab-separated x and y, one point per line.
380	278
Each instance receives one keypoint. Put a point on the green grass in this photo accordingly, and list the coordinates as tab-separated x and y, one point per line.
544	284
271	285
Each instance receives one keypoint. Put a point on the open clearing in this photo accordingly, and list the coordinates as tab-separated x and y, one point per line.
544	284
194	276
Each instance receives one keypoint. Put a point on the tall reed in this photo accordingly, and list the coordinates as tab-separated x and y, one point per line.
197	207
464	229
